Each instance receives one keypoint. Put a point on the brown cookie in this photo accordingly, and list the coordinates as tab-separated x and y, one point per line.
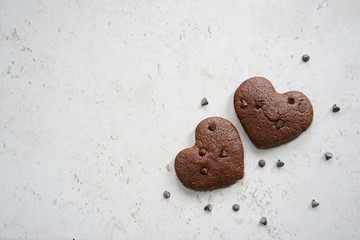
268	117
217	158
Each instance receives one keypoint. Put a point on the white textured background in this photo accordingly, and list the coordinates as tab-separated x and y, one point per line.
98	97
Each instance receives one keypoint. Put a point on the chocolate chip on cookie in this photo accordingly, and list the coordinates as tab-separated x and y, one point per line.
212	127
217	158
202	152
223	154
243	103
271	118
204	171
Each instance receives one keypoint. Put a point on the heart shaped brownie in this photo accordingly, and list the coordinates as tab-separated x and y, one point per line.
217	158
268	117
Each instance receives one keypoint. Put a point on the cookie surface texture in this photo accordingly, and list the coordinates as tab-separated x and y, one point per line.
217	158
268	117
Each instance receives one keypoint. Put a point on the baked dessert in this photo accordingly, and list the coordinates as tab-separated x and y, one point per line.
217	158
268	117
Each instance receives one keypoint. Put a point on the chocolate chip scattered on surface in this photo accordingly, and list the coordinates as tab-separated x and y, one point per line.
280	163
262	163
314	203
328	155
236	207
166	194
204	102
263	221
335	108
305	58
208	208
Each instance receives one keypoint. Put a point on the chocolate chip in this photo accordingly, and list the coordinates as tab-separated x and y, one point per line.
204	171
279	124
202	152
305	58
263	221
243	103
301	108
223	154
166	195
208	208
204	102
335	108
291	100
259	103
262	163
212	127
314	203
236	207
280	163
328	155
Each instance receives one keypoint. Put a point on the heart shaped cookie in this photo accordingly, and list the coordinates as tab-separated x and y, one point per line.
217	158
268	117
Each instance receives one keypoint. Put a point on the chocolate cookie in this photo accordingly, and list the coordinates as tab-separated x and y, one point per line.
217	158
268	117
